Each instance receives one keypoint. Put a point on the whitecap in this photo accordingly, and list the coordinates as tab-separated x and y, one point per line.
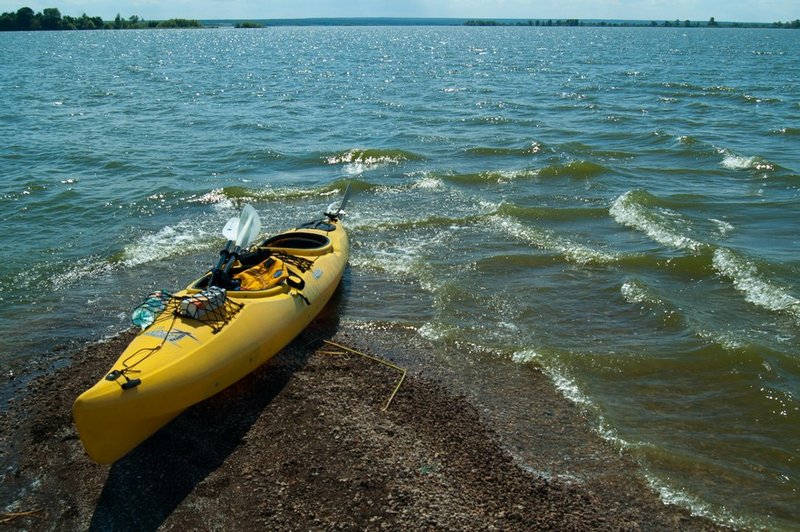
737	162
365	158
635	292
396	261
672	495
216	197
728	340
756	289
524	357
563	383
405	259
723	227
433	332
568	387
429	183
167	242
733	161
505	176
84	268
656	225
574	252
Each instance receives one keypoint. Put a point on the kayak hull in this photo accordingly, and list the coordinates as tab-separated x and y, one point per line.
177	361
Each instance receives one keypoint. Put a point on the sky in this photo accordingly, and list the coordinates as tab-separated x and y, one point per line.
659	10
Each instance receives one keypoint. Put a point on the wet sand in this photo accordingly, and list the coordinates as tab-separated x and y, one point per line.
303	444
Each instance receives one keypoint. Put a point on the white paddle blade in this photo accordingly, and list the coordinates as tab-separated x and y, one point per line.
345	198
335	211
249	226
231	228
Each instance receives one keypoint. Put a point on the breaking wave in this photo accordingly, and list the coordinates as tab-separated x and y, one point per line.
372	157
573	251
662	225
754	285
732	161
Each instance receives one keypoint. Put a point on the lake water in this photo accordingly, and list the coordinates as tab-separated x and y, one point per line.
619	206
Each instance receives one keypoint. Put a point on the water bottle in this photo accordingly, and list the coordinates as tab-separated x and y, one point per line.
145	314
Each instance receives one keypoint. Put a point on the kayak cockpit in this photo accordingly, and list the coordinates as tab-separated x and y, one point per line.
287	254
298	243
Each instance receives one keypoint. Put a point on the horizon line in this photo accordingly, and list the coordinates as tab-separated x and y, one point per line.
488	19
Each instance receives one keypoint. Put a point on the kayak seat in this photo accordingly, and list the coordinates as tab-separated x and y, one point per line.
255	256
263	275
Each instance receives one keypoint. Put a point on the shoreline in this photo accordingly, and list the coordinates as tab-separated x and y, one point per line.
302	443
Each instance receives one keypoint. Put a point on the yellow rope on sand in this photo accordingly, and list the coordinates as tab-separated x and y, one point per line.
378	360
7	517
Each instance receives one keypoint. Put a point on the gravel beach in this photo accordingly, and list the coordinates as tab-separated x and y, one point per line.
303	444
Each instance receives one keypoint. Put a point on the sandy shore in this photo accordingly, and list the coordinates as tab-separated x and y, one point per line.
303	444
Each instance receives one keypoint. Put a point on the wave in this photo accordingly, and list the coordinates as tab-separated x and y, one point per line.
722	92
638	209
553	213
194	234
237	195
733	161
372	226
560	378
575	169
671	494
489	176
749	98
572	251
407	258
634	291
659	462
489	120
693	147
665	226
580	149
754	285
372	157
120	166
786	131
685	85
637	292
171	241
57	275
534	148
502	264
358	161
688	140
401	261
184	237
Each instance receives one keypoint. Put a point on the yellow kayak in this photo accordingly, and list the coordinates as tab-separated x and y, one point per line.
208	336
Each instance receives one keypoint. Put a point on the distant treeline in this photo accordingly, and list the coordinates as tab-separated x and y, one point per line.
50	19
666	24
249	25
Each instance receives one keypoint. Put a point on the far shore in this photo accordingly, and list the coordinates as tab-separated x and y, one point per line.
51	19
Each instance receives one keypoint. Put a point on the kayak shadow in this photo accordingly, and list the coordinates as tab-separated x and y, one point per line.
147	485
